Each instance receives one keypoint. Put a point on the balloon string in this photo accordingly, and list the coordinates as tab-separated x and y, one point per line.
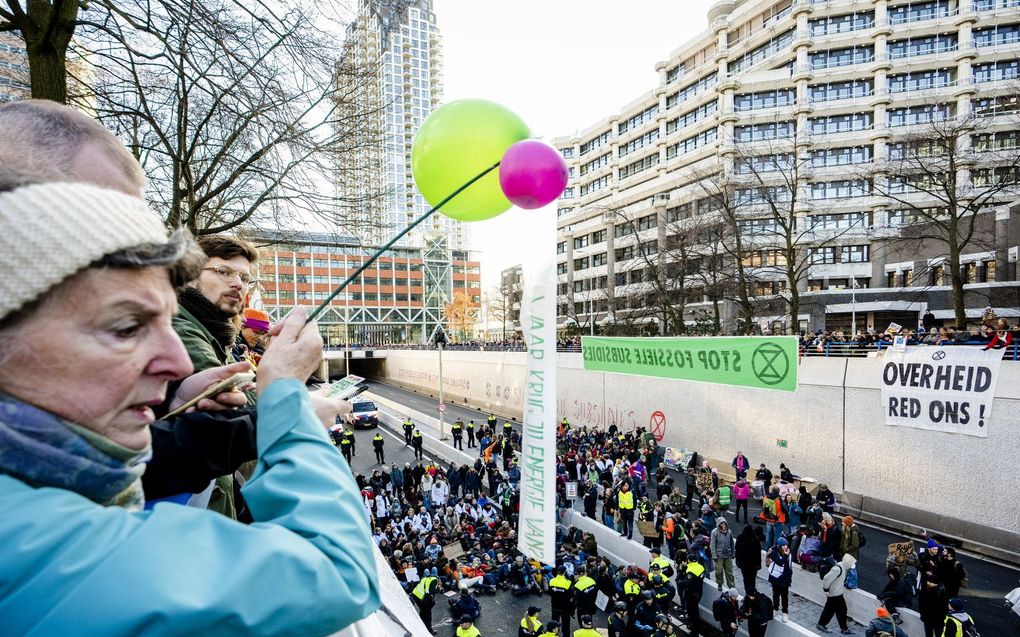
389	244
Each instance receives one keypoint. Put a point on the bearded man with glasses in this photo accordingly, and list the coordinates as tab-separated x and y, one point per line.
207	323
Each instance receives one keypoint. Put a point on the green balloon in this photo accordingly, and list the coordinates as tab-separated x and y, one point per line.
455	143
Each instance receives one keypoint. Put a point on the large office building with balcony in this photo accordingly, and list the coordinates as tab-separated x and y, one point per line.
819	100
393	301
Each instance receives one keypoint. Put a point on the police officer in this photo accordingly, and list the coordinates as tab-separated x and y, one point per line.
587	627
467	628
424	595
377	444
471	433
491	420
408	429
663	591
561	595
354	443
618	620
664	627
508	429
632	589
625	501
552	629
417	440
457	429
585	591
665	567
347	445
530	626
645	614
694	577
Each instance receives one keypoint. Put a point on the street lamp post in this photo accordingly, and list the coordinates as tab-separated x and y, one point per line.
853	307
440	342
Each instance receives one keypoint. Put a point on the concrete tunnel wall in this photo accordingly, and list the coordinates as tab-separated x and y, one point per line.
947	482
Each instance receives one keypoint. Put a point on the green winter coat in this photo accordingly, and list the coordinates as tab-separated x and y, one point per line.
205	352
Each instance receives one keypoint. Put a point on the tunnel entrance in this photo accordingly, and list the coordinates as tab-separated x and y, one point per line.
370	368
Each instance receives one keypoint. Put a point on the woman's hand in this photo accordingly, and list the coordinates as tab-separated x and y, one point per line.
197	383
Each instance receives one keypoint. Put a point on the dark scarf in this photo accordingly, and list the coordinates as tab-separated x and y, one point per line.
42	450
212	318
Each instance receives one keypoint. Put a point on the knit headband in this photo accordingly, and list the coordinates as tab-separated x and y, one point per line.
48	232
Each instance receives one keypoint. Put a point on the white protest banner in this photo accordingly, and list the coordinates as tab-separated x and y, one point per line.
941	388
538	447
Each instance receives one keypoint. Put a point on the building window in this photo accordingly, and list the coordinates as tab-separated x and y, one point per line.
567	152
598	259
992	5
923	114
989	272
596	185
761	195
581	242
757	226
561	247
840	189
678	213
641	164
763	164
842	23
926	45
637	142
842	57
920	149
646	223
1000	176
918	11
582	263
690	91
568	193
996	35
762	258
922	80
822	256
691	117
598	237
995	71
691	143
764	99
841	156
623	254
840	123
764	52
561	268
854	254
991	106
842	221
761	132
633	122
674	73
592	144
594	164
1004	140
833	91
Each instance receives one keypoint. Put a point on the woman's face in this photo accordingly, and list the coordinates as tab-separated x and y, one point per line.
101	353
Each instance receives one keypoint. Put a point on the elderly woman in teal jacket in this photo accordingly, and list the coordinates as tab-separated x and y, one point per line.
86	349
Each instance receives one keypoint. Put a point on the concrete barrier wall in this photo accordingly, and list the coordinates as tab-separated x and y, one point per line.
833	427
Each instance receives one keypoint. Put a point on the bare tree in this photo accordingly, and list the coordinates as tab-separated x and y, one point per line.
47	27
232	108
944	175
503	304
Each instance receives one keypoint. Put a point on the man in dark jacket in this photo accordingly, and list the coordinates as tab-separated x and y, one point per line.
465	605
757	610
826	498
724	610
781	577
748	556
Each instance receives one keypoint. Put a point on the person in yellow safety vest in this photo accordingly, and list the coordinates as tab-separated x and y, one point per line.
561	597
665	567
694	577
587	627
492	421
958	622
625	500
424	595
416	442
632	589
408	430
723	496
508	428
471	434
377	444
457	429
552	629
586	590
467	628
346	445
530	626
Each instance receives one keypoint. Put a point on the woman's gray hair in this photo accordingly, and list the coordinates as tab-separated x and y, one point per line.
180	255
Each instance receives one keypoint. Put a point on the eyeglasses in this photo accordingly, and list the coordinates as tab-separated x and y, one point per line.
227	274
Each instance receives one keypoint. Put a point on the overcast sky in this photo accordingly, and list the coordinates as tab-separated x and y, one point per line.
561	65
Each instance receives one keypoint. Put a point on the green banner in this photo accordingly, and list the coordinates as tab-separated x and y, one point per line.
762	362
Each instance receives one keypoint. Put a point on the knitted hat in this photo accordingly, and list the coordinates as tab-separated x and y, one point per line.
882	611
257	320
932	544
48	232
782	542
956	604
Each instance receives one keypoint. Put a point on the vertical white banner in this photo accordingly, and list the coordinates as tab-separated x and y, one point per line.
538	447
941	388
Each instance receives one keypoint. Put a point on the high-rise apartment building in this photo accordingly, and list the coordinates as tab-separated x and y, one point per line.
805	141
397	45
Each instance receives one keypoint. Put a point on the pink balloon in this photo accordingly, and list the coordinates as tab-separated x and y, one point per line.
532	174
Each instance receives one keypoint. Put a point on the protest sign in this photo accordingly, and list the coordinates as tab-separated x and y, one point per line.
538	445
761	362
941	388
677	459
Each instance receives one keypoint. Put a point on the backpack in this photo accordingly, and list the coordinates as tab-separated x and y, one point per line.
825	566
851	578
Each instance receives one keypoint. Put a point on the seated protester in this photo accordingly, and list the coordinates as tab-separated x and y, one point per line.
898	592
883	624
465	605
74	445
809	553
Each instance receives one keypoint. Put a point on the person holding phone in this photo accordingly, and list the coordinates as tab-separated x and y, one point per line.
73	444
